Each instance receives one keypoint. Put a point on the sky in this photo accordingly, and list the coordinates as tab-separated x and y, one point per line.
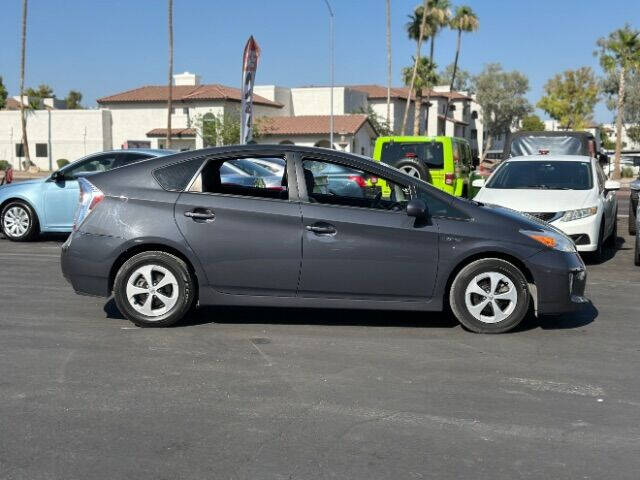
102	47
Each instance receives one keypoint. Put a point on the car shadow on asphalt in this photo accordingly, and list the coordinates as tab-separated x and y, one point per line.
609	252
369	318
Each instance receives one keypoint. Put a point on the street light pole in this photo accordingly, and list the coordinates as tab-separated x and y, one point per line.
331	16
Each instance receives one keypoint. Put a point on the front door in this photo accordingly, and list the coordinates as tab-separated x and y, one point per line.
243	228
358	241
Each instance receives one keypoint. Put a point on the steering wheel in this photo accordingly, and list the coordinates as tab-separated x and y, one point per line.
376	200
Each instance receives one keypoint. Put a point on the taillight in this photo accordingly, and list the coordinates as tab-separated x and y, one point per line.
448	178
359	180
90	197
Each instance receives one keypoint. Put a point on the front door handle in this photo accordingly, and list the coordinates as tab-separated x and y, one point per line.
322	228
201	215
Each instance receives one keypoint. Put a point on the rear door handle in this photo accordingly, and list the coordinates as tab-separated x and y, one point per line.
322	228
201	214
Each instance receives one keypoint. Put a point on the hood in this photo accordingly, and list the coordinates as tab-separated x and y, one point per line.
524	200
23	183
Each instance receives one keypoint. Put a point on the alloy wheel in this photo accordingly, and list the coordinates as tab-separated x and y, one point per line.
491	297
152	290
16	222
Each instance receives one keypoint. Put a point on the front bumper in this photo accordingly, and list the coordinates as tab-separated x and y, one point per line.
560	279
584	232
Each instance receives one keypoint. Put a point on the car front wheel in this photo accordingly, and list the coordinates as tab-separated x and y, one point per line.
19	222
154	289
489	295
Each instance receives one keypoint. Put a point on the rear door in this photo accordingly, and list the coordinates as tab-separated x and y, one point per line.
246	234
362	246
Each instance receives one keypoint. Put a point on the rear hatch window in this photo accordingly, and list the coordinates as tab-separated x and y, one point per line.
541	145
431	153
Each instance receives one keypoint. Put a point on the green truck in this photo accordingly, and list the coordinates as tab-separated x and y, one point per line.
445	162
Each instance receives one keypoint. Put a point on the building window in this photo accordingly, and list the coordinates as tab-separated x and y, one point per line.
19	150
173	111
185	111
361	150
41	150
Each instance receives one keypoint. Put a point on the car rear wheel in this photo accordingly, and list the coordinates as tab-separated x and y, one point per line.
19	222
413	169
490	295
154	289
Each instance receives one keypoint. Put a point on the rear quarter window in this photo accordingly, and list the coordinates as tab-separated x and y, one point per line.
177	176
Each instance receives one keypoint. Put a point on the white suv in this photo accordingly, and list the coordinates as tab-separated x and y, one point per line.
569	191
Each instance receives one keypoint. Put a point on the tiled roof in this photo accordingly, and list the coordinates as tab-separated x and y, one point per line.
175	132
311	124
379	91
160	93
12	104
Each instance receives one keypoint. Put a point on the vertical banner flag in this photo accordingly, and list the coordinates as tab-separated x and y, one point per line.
249	65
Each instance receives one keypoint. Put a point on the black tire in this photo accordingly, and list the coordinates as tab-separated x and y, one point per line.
418	169
469	274
632	219
8	213
636	252
598	253
185	286
612	240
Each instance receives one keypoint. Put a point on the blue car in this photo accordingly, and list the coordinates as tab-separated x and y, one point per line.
48	204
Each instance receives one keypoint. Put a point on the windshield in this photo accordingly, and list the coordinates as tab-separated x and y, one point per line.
429	152
551	145
543	175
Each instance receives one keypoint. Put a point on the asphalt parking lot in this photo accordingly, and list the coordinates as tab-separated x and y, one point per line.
293	394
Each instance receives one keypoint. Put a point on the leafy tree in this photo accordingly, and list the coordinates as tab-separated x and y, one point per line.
620	53
417	29
73	100
501	96
570	98
380	124
462	82
610	86
221	129
425	77
634	133
465	20
532	123
3	94
36	95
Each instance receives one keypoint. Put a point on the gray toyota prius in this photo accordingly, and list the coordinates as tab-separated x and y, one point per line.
165	235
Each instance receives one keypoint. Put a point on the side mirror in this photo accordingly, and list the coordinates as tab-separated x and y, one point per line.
478	183
603	158
611	185
476	161
57	176
417	208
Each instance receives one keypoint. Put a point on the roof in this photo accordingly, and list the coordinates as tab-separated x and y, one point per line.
11	104
183	93
312	124
175	132
552	158
379	91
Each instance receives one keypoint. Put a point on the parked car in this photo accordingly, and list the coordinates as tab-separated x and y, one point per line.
570	192
166	234
445	162
626	161
48	204
275	166
634	187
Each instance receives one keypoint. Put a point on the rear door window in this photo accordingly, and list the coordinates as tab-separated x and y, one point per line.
430	153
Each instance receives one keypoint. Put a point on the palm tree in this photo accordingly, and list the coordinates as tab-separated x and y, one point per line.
426	75
170	100
417	30
437	17
465	20
389	73
620	52
23	118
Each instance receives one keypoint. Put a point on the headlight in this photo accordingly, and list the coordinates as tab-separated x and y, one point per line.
549	239
571	215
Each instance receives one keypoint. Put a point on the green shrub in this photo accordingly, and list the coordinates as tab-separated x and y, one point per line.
62	162
4	165
627	172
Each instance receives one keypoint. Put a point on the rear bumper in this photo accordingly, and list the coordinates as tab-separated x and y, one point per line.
560	280
86	262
